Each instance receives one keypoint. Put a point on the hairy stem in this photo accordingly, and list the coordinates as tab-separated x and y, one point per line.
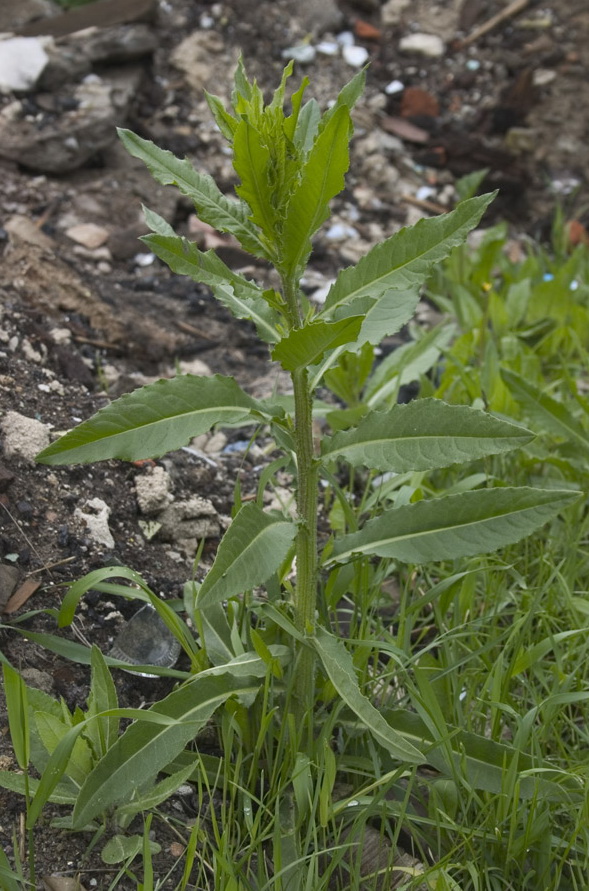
305	601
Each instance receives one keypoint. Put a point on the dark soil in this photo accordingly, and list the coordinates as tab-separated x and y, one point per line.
77	330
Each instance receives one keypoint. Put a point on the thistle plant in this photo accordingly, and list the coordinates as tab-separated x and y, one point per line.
290	163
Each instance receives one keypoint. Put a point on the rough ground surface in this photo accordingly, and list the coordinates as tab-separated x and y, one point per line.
85	316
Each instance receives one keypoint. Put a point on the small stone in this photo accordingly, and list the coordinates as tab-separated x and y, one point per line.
543	77
9	579
23	437
328	48
395	86
94	519
355	56
341	231
194	366
346	38
89	235
319	17
392	11
304	53
216	443
22	61
429	45
195	518
153	490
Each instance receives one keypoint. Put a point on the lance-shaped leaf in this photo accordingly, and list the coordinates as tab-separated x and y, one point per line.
386	316
239	295
251	161
306	346
322	178
252	549
455	526
340	670
146	748
403	260
423	435
153	420
483	762
212	205
552	416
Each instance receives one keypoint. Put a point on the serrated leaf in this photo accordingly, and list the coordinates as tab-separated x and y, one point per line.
348	95
423	435
157	223
387	315
307	126
251	550
239	295
213	207
306	346
551	415
455	526
225	121
145	748
322	178
153	420
340	670
403	260
251	161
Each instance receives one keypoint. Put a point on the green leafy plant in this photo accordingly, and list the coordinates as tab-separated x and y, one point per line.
280	655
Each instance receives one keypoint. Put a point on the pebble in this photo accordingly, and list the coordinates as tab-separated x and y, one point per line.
340	231
22	61
23	437
395	86
429	45
153	490
304	54
89	235
328	48
346	38
355	56
94	517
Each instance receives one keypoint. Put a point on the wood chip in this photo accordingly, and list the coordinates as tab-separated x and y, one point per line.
404	129
21	595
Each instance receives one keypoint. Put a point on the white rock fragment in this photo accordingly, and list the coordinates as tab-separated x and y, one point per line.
94	518
304	54
429	45
341	231
89	235
320	295
194	366
544	76
143	260
346	38
23	437
395	86
355	56
328	48
153	490
22	61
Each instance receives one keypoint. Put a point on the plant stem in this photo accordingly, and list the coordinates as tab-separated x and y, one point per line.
306	543
305	600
